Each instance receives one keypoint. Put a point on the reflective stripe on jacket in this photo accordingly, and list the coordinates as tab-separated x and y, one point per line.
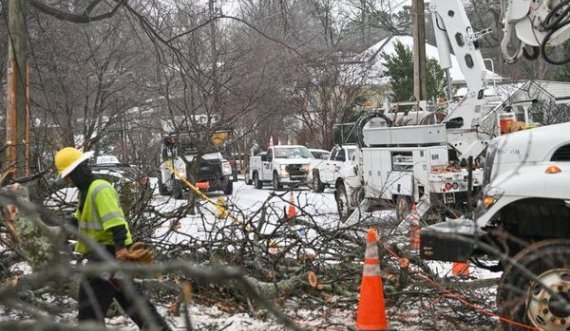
101	212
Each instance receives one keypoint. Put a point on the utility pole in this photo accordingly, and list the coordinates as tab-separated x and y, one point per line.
17	112
419	36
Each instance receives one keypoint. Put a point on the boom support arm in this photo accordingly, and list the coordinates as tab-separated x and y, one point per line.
468	121
452	28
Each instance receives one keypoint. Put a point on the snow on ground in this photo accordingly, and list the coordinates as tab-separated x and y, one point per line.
245	200
322	208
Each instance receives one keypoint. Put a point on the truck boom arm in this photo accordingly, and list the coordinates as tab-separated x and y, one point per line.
452	28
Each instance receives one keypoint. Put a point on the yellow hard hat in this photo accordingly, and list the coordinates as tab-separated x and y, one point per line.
68	159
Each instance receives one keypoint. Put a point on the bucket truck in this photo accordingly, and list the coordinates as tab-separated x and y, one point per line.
416	157
522	217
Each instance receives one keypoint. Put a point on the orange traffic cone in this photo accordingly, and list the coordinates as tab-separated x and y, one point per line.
460	269
414	229
371	314
292	211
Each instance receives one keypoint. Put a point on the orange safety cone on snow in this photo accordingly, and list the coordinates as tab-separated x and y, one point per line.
371	313
414	229
292	211
460	269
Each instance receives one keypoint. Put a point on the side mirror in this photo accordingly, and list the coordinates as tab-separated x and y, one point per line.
324	157
264	158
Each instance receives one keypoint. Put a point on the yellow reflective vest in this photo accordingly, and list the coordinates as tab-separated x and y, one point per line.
101	212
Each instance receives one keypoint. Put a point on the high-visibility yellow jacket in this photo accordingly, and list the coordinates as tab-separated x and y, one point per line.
101	212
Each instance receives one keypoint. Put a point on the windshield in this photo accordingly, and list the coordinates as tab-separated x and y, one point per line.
320	154
292	152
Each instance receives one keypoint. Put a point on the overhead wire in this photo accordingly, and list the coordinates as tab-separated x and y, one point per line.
33	54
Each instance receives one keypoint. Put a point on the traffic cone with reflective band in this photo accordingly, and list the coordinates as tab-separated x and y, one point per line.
221	208
292	211
414	229
460	269
371	314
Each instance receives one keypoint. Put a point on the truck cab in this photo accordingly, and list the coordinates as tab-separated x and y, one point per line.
208	171
326	172
281	165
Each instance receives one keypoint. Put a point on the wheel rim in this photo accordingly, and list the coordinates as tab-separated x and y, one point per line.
545	310
342	203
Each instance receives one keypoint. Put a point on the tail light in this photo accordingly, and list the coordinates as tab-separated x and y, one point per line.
226	168
203	186
233	163
448	186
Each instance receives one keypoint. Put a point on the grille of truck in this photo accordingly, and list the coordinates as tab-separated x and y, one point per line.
210	171
295	170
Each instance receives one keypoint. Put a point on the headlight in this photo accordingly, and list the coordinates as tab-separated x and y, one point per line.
491	196
283	170
226	168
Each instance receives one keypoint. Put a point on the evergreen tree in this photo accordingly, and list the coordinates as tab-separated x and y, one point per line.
400	68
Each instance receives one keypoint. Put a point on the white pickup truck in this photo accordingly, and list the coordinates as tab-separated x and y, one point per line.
339	164
280	165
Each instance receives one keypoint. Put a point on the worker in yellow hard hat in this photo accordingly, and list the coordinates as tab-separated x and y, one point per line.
100	217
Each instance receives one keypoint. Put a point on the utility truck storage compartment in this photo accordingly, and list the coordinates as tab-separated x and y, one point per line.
448	241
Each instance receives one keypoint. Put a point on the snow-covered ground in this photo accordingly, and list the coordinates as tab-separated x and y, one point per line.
321	207
318	207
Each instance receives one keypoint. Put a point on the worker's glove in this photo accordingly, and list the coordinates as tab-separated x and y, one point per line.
137	252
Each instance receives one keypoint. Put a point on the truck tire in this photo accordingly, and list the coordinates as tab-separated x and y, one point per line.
247	179
403	207
229	187
318	186
162	190
341	199
276	185
256	182
521	298
177	189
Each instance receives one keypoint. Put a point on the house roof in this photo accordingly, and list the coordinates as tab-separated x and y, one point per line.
388	46
558	92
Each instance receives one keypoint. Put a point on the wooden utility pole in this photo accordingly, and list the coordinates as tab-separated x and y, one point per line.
419	35
17	112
